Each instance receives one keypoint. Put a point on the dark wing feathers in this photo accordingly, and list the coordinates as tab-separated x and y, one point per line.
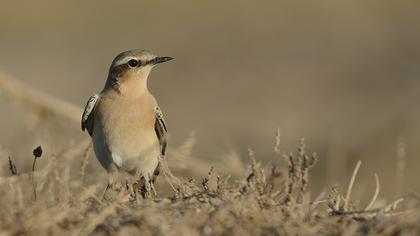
160	128
87	117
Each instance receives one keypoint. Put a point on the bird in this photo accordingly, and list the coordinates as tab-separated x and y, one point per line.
125	122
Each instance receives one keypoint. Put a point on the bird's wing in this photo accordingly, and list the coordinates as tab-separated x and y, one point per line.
160	128
87	118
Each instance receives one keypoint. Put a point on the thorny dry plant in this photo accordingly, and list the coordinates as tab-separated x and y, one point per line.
268	200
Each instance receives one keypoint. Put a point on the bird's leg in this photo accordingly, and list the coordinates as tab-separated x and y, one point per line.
121	186
147	188
140	186
108	186
152	186
134	190
117	182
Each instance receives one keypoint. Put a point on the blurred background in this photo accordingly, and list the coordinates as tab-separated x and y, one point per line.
344	75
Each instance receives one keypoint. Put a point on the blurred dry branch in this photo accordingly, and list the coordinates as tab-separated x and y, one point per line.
18	92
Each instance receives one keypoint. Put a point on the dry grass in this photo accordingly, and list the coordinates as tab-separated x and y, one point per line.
268	200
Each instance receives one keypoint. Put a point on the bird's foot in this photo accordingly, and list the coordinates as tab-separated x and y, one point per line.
145	187
117	191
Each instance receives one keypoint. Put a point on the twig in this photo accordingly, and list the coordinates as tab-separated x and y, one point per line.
337	203
85	161
386	209
353	177
393	205
12	167
33	179
277	142
290	177
375	196
400	165
169	176
205	181
37	154
318	200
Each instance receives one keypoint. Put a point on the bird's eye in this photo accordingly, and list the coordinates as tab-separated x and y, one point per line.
133	63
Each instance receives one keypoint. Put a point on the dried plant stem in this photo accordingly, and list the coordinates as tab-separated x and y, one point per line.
337	203
368	212
169	176
400	165
350	187
85	161
277	142
290	179
12	167
206	180
393	205
33	178
375	195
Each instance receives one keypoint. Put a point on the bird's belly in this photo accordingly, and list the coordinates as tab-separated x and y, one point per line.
126	142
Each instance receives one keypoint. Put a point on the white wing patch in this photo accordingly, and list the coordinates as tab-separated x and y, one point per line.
87	117
160	128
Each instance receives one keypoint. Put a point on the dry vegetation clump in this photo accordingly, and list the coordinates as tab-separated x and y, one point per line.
268	200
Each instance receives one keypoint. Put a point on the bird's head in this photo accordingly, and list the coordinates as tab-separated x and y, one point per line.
133	66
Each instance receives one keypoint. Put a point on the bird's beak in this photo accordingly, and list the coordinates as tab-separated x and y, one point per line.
158	60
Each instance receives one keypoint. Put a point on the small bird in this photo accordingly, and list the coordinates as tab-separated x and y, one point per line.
125	122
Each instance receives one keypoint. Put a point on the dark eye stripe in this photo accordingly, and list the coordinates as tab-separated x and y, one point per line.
153	61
